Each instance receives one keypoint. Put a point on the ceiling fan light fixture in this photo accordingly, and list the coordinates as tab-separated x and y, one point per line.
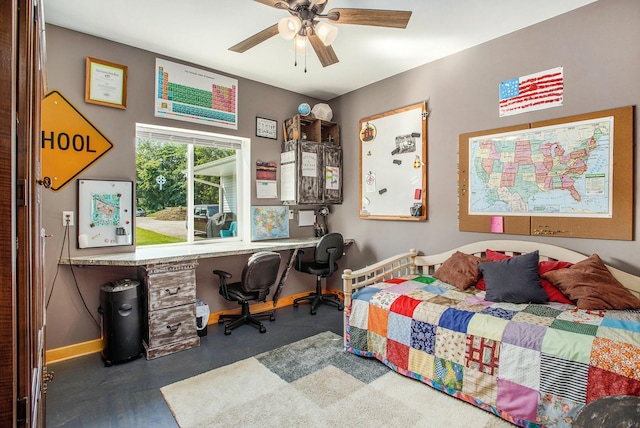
326	32
288	27
299	44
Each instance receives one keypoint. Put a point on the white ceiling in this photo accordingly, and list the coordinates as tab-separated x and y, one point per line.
201	31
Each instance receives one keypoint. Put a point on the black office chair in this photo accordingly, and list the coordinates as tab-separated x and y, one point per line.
258	275
328	250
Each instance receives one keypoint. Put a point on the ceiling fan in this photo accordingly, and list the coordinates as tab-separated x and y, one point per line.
307	20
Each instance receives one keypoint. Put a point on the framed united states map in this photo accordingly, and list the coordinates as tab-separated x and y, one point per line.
558	177
558	170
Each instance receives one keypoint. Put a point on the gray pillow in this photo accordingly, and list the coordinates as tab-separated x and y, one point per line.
514	280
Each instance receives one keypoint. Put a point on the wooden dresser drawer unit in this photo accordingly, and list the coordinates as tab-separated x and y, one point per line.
171	325
171	330
171	289
170	308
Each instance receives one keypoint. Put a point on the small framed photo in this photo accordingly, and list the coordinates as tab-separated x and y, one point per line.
267	128
106	83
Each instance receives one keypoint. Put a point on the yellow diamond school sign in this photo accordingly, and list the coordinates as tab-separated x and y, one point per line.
70	143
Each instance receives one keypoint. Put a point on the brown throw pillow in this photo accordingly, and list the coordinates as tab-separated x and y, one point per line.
459	270
590	284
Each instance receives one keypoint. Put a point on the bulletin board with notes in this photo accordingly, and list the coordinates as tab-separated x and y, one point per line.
393	164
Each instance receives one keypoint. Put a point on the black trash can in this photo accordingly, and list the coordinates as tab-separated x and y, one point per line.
120	307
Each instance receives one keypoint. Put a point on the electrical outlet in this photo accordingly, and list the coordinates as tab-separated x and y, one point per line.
290	214
67	218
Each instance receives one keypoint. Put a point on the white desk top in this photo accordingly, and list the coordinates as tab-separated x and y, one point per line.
178	253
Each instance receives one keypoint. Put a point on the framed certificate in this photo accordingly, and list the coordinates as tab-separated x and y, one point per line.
267	128
106	83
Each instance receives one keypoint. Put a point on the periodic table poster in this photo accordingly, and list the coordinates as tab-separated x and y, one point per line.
195	95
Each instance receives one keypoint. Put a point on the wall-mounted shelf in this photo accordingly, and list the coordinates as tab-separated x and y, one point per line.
311	167
315	130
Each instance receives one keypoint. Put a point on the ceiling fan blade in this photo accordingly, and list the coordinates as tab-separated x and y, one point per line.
256	39
271	3
326	54
375	17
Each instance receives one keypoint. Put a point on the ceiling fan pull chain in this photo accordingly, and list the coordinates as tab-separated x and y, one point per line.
305	56
295	53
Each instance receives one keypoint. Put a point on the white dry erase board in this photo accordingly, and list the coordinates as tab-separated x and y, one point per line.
393	164
105	213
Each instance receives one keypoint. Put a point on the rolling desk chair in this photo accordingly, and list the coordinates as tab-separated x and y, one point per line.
328	250
258	275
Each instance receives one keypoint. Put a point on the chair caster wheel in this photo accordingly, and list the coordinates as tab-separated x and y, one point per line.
108	363
341	307
272	318
227	331
313	312
295	305
263	330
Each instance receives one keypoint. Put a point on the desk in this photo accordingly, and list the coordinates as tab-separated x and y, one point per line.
168	276
188	252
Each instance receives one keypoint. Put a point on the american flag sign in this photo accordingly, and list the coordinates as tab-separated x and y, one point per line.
533	92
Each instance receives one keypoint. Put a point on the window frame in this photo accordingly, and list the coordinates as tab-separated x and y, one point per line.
242	146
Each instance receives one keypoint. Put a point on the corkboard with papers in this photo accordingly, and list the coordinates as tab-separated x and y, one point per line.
569	177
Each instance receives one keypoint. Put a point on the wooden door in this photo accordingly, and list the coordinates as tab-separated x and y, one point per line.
7	232
22	335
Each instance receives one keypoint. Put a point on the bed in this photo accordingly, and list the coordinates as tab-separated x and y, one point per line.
532	364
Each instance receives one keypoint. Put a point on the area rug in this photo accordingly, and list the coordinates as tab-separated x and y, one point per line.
315	383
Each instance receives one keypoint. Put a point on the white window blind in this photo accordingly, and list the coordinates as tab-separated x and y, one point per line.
177	135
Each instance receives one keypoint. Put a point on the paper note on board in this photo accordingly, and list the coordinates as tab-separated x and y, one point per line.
370	183
332	178
288	182
286	157
306	217
497	224
309	164
266	189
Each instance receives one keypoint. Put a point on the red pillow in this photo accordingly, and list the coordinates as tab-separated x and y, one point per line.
555	295
494	256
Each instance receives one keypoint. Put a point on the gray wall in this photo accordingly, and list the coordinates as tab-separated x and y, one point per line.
67	320
596	45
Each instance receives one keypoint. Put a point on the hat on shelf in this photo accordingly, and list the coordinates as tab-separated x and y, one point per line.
322	111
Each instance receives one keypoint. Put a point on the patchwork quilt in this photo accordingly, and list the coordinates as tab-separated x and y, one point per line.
531	364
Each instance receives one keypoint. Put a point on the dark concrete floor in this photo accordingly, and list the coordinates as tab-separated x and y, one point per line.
85	393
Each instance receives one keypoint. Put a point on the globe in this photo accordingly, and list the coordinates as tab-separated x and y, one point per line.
304	109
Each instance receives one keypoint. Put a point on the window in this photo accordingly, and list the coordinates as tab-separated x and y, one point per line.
191	186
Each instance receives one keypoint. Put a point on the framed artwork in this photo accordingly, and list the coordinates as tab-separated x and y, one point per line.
269	222
106	83
267	128
105	213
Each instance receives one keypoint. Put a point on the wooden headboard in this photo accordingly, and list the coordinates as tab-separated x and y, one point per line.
429	263
410	263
